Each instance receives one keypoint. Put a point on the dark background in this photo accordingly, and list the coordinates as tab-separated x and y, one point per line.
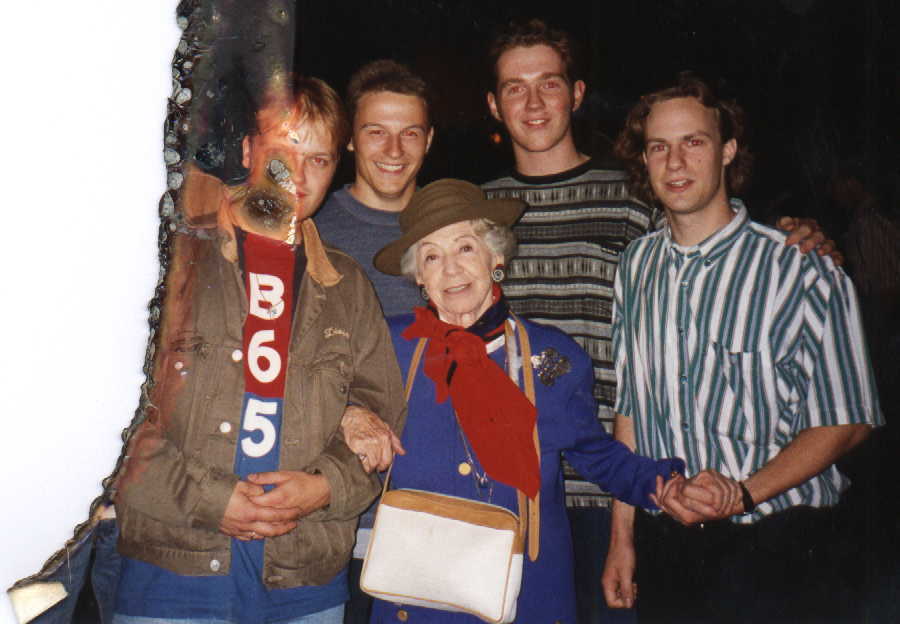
819	79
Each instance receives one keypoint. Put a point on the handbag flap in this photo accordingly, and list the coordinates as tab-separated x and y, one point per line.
457	508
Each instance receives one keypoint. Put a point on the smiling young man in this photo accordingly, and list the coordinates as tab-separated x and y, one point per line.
391	135
579	216
535	96
390	118
747	359
579	219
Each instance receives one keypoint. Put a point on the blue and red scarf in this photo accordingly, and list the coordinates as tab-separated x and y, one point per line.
269	268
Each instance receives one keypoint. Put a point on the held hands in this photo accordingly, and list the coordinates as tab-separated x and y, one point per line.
370	438
708	495
807	234
253	513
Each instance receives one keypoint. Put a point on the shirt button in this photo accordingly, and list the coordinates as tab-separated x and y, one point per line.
684	283
237	355
214	565
225	427
402	615
685	426
464	468
179	365
684	379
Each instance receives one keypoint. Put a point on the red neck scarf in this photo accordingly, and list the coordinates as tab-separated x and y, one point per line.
495	415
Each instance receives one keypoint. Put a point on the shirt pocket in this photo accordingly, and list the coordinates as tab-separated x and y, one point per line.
331	373
739	393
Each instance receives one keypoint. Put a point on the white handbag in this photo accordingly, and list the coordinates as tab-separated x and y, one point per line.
443	552
450	553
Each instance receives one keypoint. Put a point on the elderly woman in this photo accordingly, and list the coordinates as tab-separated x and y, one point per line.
480	443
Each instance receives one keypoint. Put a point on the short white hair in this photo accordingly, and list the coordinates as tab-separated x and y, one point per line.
499	239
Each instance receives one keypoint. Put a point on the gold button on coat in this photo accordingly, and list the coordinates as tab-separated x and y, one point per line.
402	615
465	468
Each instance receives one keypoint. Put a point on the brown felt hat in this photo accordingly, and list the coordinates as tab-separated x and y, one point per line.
440	204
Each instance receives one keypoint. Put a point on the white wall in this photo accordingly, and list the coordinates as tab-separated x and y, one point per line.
82	105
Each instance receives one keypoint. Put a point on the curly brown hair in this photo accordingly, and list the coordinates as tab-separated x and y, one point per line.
386	75
525	34
630	144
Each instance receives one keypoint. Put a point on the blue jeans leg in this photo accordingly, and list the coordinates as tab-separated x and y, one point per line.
335	615
119	618
72	573
106	567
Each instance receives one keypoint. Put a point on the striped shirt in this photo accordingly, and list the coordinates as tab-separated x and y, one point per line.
570	239
726	350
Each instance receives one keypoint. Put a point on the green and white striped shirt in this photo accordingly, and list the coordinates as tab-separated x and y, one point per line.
726	350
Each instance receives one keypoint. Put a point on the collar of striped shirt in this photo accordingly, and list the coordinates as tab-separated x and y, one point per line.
718	243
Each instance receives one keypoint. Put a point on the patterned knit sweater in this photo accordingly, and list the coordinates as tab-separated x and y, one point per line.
570	240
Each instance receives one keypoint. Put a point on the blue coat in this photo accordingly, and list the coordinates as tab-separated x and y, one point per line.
567	426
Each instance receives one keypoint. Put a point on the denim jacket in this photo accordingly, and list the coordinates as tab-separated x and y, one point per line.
179	474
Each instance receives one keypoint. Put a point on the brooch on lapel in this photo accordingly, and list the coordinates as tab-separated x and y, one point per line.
549	365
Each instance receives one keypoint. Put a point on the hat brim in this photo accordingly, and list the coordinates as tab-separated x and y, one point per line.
500	211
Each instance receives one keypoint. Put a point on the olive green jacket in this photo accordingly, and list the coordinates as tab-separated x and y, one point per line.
174	488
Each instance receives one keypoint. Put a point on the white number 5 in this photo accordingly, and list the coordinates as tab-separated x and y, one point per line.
255	420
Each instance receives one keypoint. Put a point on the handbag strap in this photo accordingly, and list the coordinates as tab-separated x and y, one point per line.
414	366
533	505
407	390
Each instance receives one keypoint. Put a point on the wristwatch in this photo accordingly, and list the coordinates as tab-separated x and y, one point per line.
749	505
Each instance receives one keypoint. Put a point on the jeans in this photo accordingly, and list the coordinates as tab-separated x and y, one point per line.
335	615
94	556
